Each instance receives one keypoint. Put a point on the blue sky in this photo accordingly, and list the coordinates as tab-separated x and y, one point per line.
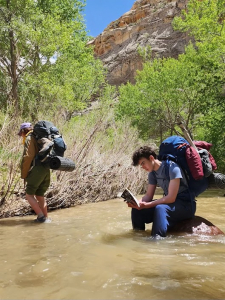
99	13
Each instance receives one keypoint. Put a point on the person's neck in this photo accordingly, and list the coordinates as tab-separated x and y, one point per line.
157	165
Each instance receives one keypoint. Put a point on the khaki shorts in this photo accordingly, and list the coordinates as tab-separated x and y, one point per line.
38	181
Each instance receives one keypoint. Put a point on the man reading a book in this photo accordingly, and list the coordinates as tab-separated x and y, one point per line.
177	203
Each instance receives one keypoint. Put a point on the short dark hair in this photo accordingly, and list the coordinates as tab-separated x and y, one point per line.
142	152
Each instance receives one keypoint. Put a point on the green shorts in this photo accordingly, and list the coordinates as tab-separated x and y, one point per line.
38	181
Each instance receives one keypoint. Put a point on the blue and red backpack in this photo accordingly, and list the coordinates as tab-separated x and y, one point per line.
177	149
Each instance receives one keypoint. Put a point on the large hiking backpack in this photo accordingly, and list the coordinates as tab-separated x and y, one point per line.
49	140
174	148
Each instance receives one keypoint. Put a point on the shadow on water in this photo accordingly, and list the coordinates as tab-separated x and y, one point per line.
22	222
17	222
110	238
172	237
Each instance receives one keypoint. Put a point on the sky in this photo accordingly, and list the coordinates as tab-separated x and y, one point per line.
99	13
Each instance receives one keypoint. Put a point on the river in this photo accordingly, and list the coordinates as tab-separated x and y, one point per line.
90	252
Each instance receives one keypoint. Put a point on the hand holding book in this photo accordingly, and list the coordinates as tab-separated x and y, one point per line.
129	197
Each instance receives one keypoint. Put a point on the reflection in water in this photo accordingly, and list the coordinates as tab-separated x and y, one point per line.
90	252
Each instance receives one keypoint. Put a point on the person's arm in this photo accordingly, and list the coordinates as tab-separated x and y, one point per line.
149	194
170	198
28	156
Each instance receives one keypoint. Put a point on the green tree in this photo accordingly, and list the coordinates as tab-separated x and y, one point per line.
204	21
44	60
167	89
189	87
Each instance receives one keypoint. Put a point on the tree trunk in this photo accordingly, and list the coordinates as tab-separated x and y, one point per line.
14	101
14	79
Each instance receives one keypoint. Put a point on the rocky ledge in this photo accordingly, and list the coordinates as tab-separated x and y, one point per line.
148	23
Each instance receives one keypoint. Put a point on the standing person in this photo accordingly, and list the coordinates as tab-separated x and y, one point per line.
177	204
36	176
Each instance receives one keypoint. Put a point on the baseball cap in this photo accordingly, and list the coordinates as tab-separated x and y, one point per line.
23	126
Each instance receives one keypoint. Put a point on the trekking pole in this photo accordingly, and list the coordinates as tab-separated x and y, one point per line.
180	123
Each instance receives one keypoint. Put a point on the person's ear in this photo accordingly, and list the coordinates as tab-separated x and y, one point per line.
151	157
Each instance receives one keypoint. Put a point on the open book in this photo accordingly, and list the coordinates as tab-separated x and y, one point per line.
129	197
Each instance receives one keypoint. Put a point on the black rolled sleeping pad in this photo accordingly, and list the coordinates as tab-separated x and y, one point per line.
61	164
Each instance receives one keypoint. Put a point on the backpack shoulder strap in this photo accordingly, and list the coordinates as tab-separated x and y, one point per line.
167	167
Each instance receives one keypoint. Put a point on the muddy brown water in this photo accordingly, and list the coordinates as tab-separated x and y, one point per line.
90	252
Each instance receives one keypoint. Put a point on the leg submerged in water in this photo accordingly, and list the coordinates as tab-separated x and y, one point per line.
141	217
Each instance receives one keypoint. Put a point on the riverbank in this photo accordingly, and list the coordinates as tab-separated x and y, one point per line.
76	188
101	149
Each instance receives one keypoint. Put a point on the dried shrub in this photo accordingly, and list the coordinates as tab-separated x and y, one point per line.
101	149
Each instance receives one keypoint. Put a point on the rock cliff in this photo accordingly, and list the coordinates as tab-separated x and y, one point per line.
148	23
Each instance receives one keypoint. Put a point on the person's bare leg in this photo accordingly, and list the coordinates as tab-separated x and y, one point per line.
43	205
34	204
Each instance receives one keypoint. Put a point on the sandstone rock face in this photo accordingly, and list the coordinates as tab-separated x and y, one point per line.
148	23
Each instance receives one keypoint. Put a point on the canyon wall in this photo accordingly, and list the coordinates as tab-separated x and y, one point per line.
148	23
